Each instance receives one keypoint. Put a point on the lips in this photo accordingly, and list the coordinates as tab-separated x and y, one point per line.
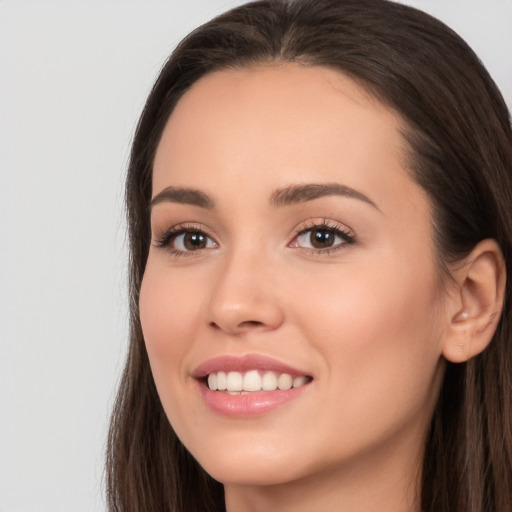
248	385
243	364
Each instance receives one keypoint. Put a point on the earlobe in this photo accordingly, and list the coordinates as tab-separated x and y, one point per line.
477	302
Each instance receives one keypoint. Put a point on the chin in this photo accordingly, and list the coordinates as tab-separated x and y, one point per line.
246	467
260	475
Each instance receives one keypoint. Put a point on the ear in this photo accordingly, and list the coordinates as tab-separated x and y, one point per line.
475	307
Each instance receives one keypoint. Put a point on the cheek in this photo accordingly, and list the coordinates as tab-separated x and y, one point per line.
367	298
377	339
164	305
168	315
155	312
376	323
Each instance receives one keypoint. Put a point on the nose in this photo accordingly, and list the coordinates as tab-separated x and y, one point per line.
245	296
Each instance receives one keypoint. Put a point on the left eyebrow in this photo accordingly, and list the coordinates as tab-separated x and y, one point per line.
308	192
182	195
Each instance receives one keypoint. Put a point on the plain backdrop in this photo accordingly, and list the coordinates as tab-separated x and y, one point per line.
73	79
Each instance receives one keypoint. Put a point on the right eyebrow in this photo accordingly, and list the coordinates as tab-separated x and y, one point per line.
182	195
309	191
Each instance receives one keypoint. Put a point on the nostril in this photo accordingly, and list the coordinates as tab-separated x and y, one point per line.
250	323
247	324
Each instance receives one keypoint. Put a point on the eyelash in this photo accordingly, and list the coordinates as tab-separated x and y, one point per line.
165	241
337	230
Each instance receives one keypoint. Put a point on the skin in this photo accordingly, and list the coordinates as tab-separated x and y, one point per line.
368	321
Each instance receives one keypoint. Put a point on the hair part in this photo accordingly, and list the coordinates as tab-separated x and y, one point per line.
459	134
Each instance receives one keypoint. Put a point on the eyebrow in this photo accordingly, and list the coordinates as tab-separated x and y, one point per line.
182	195
302	193
292	194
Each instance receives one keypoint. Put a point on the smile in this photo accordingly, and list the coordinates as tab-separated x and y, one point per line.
248	385
253	381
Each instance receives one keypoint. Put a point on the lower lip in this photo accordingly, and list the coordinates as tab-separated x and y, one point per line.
248	404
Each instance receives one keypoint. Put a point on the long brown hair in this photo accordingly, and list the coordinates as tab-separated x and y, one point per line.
460	139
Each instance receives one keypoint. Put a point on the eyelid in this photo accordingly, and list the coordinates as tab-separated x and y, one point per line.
166	236
338	228
164	239
325	223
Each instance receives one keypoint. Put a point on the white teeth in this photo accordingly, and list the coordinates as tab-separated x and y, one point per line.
299	381
269	381
222	383
212	381
284	381
234	381
253	380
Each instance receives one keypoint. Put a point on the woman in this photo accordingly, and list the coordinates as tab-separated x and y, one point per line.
318	202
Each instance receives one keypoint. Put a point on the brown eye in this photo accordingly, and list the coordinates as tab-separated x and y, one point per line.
188	241
322	237
193	241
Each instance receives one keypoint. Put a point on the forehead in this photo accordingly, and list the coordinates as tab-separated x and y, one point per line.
295	88
287	122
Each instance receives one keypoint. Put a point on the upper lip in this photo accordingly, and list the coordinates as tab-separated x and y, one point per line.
244	363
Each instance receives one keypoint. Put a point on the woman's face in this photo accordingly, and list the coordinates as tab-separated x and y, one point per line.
290	247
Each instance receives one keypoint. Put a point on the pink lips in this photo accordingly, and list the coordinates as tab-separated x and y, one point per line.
245	404
243	364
